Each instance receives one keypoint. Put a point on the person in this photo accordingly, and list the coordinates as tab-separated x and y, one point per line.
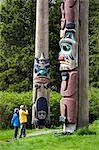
23	113
15	122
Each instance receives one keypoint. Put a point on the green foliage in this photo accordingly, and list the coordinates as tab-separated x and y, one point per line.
17	42
10	100
94	43
52	142
85	131
55	108
17	45
6	134
54	37
93	104
92	129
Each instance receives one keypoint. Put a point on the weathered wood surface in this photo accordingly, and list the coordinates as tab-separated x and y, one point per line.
41	40
83	63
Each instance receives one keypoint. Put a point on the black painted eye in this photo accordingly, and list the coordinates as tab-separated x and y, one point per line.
67	47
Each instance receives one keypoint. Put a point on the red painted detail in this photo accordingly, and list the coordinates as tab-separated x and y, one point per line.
68	108
61	57
69	88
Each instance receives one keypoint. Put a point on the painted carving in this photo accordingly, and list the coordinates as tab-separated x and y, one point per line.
68	67
41	84
41	72
69	93
69	6
68	54
41	78
68	84
41	66
67	20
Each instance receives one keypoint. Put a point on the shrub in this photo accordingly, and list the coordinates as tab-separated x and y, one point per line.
10	100
54	108
93	104
85	131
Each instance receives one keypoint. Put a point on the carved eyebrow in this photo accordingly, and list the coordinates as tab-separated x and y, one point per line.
69	42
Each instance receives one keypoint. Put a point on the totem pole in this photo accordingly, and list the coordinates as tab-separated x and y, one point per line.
68	66
41	109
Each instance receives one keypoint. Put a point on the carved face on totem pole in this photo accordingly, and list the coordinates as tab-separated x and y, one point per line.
67	55
42	114
68	66
41	70
41	85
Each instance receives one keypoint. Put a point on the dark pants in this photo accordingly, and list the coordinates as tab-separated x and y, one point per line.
15	132
22	130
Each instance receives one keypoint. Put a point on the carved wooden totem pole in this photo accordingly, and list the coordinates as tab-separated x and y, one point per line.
68	66
41	109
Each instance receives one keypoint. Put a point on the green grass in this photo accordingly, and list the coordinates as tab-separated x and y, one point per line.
53	142
8	133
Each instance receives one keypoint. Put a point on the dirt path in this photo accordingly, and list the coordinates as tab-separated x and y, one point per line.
44	132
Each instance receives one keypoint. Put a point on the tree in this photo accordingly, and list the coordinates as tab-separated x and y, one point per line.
54	37
94	43
17	44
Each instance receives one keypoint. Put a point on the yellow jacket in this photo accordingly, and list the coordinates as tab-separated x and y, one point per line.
23	115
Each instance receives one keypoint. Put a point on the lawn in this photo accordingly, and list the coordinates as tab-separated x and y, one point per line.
56	142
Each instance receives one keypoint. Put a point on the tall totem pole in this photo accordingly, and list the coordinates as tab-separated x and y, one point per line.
41	109
68	66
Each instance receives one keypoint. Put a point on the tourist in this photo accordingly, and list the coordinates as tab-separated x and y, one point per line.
23	113
15	122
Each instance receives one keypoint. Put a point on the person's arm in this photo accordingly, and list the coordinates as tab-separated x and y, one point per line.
13	118
25	112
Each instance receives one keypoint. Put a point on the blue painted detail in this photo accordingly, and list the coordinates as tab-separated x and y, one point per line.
43	72
41	67
70	34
